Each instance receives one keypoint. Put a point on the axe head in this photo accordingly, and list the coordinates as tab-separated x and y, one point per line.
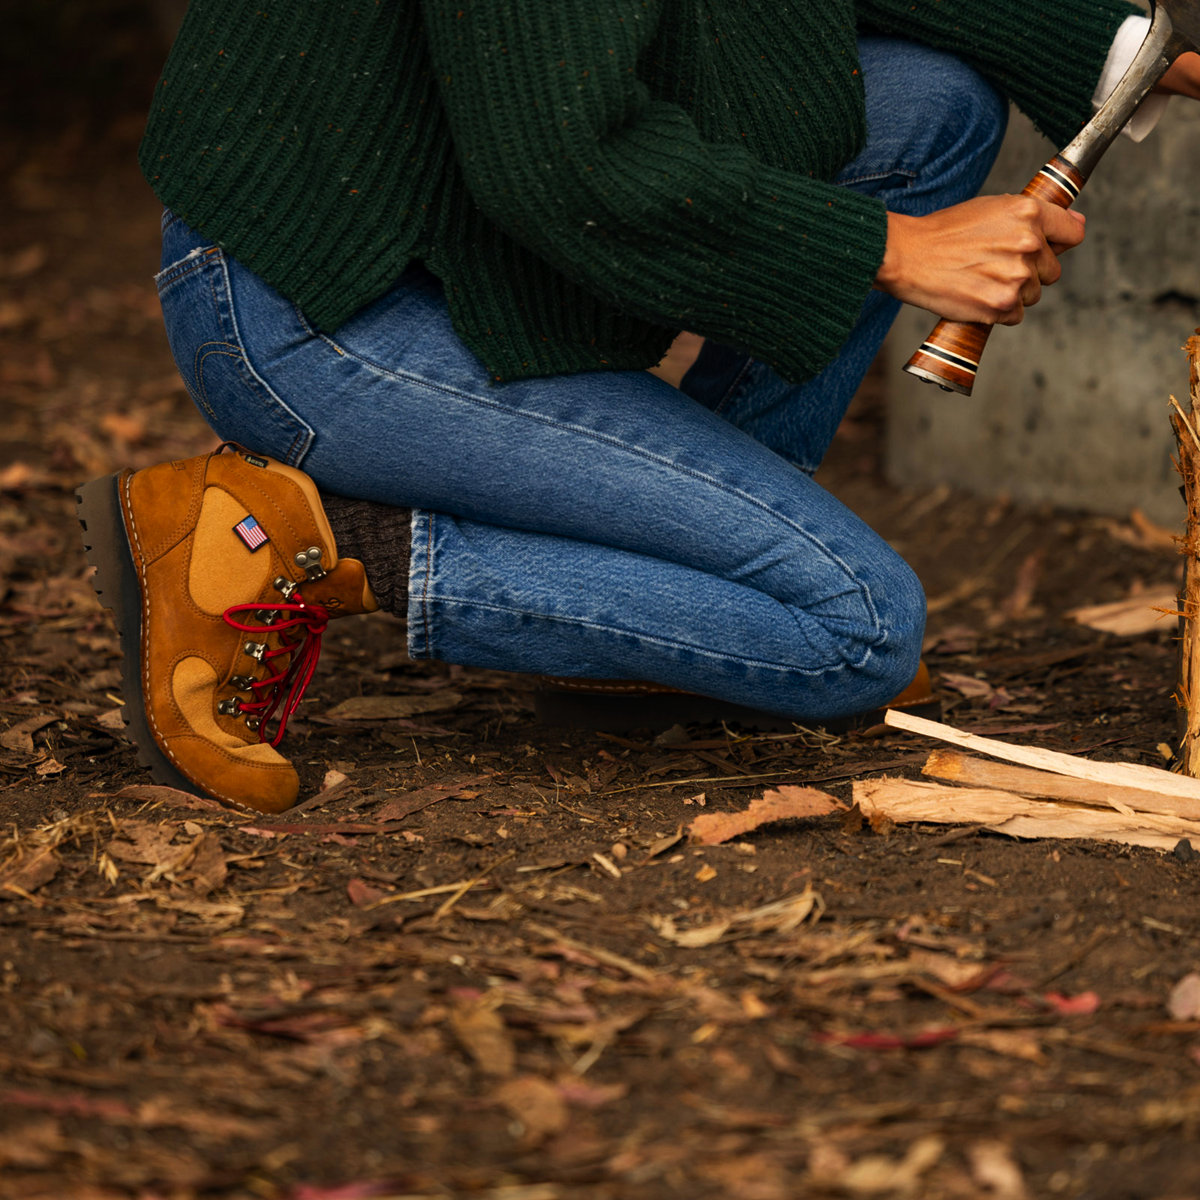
1185	22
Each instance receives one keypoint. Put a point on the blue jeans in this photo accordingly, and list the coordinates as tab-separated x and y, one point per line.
604	524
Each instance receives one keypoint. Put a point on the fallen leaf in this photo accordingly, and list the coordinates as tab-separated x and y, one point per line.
483	1035
361	893
536	1103
27	873
995	1170
34	1145
113	719
966	685
890	1041
1083	1003
1146	612
386	708
19	737
25	261
780	916
156	793
879	1174
1184	1001
408	803
581	1094
777	804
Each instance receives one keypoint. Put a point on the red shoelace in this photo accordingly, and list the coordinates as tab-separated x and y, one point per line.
279	694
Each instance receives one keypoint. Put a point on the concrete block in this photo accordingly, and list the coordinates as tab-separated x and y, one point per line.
1070	406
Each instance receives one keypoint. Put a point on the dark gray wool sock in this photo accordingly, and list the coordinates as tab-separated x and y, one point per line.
380	537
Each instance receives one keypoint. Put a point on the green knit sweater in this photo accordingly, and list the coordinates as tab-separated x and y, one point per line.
586	177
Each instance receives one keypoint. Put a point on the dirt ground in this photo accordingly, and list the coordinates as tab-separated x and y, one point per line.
460	968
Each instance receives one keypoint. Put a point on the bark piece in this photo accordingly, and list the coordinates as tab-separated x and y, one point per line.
789	802
1187	441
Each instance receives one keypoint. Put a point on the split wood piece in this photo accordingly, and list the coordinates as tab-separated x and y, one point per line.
905	801
1187	441
956	767
1184	791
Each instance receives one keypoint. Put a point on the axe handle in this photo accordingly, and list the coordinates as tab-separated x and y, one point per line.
950	355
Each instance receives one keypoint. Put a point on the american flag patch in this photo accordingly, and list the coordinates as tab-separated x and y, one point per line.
251	533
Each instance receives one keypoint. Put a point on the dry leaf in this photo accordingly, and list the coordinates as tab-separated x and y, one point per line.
19	737
995	1170
536	1103
27	873
361	893
1184	1001
483	1035
156	793
1143	613
778	804
408	803
878	1174
387	708
780	916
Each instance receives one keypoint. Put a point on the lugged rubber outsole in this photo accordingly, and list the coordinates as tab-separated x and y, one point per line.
98	506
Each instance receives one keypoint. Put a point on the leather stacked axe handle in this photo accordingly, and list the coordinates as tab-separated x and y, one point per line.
950	355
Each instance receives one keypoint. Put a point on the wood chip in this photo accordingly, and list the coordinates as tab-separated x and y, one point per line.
779	804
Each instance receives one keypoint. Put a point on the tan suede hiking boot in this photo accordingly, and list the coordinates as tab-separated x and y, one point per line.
222	574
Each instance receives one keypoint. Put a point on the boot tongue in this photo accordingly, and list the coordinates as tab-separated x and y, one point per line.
342	592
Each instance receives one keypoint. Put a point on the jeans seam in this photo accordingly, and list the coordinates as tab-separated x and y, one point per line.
650	639
868	176
304	436
426	616
736	387
227	350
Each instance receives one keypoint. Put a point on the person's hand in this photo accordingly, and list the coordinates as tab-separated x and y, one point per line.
984	260
1182	77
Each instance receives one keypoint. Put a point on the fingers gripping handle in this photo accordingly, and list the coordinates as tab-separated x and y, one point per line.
950	355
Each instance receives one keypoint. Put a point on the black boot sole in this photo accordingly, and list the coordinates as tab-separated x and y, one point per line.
98	507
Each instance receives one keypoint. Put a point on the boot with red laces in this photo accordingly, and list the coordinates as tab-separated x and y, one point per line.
222	574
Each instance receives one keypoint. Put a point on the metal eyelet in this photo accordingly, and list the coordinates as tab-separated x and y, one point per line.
229	707
253	723
255	650
310	561
286	586
243	683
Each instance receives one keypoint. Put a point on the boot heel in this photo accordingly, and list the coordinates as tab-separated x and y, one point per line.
98	508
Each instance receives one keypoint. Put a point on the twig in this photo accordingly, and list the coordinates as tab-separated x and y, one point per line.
468	884
631	968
